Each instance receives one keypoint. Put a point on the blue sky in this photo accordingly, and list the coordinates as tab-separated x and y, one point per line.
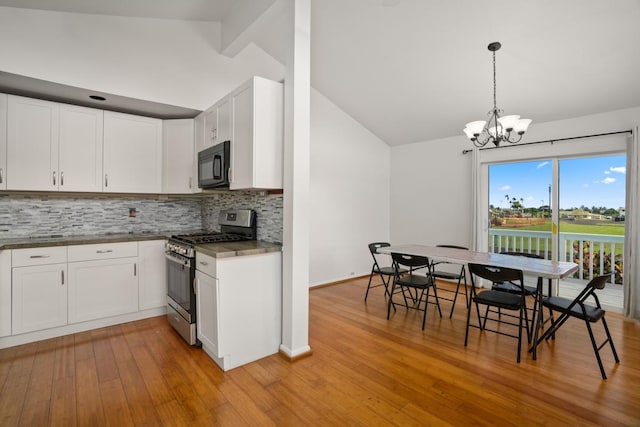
593	181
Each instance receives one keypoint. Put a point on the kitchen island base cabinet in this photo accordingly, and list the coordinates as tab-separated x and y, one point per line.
239	307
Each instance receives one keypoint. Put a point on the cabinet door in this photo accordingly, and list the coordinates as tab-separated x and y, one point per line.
39	298
178	156
241	174
80	153
132	153
224	121
5	293
102	288
152	290
207	311
210	127
32	144
3	141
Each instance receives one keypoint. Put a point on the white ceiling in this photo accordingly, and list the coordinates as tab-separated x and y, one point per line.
415	70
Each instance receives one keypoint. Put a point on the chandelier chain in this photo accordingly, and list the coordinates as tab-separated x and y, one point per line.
495	102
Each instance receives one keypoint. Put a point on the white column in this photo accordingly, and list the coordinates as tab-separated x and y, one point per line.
295	262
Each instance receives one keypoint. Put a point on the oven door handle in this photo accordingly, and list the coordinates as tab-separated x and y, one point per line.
186	263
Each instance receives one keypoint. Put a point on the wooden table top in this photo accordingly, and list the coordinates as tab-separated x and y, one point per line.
538	267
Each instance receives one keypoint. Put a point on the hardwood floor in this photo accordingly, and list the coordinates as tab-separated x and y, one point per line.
364	371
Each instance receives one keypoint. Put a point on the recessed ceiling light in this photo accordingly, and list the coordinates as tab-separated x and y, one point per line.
97	97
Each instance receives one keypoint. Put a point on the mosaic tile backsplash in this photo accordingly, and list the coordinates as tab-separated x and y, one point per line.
268	211
45	215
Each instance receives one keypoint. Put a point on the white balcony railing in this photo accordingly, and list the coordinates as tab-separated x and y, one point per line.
601	254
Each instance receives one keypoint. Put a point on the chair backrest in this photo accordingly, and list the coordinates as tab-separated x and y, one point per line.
589	290
411	261
496	274
373	248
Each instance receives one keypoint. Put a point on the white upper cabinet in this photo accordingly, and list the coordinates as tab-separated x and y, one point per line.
217	124
257	135
53	147
80	145
132	154
32	144
3	141
178	157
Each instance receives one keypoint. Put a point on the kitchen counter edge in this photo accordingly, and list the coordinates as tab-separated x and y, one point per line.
231	249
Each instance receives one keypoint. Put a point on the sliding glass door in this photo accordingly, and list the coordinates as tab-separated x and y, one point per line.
565	208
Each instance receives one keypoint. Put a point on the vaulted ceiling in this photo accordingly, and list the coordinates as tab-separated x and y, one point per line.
415	70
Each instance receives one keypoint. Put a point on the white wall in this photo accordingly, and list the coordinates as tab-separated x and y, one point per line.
168	61
350	175
431	193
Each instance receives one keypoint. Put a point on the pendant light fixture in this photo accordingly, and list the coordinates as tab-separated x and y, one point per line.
497	128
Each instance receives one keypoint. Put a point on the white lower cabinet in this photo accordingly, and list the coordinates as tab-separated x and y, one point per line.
39	299
5	293
102	288
152	281
239	302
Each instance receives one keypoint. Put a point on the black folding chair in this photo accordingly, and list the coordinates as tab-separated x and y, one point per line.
498	299
421	284
385	273
579	309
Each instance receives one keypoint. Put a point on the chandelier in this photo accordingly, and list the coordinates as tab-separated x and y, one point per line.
497	128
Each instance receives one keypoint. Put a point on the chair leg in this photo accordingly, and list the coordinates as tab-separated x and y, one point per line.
613	349
526	321
596	350
522	308
393	287
435	293
426	304
455	297
368	286
466	333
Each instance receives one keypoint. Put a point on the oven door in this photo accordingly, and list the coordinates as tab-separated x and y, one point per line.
180	275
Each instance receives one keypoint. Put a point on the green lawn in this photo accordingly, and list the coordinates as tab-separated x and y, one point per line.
612	229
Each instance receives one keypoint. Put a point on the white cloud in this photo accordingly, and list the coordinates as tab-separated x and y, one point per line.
618	169
541	165
505	188
607	172
608	180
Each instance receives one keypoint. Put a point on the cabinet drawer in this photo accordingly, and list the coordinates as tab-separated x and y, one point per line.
102	251
206	264
39	256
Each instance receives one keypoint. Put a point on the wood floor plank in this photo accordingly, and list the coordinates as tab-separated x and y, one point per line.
115	405
63	402
89	409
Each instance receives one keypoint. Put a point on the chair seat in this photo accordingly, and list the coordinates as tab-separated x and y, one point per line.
510	287
499	299
559	304
384	270
446	275
415	281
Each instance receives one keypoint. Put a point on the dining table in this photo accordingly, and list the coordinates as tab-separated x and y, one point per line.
541	268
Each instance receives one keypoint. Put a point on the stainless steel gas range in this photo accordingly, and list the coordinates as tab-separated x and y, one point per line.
235	225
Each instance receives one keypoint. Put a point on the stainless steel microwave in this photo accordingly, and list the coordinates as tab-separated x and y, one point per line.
213	166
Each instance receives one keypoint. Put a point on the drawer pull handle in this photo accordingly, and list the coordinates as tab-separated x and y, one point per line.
204	263
104	252
39	256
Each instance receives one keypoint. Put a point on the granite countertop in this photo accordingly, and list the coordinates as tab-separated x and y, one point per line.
216	250
230	249
55	240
